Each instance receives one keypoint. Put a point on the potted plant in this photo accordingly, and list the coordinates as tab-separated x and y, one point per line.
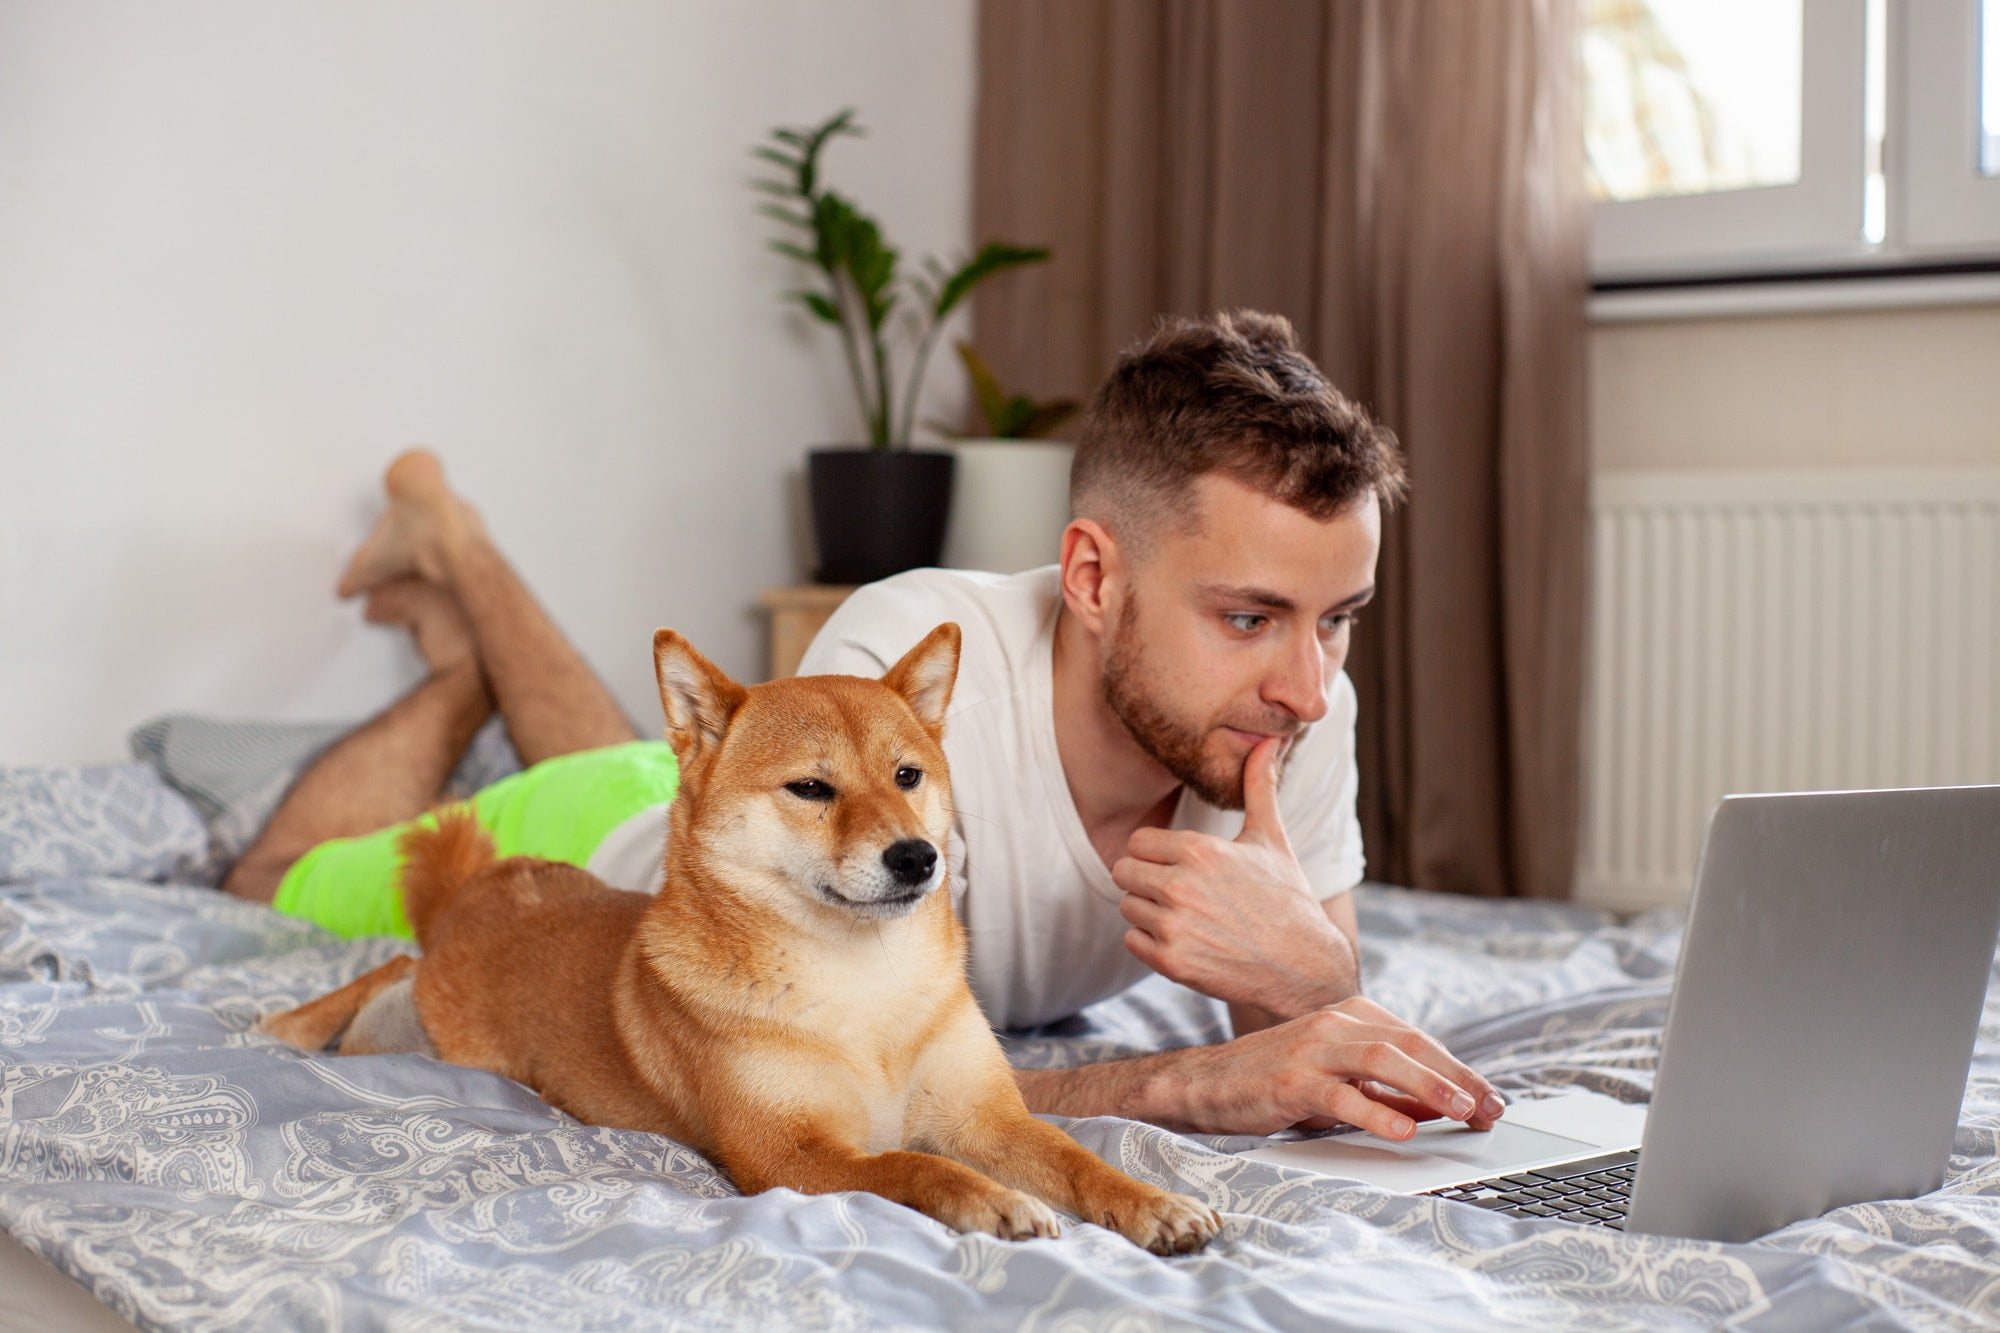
877	509
1011	501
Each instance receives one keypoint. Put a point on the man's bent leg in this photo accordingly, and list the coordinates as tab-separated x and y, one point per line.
553	703
391	769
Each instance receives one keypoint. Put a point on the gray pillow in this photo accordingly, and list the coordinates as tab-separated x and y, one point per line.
235	773
216	763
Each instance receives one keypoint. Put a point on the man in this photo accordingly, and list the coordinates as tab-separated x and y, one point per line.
1113	711
1111	717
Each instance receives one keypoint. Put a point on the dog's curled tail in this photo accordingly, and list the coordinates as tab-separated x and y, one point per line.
436	861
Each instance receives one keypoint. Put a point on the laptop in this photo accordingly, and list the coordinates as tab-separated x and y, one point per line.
1823	1015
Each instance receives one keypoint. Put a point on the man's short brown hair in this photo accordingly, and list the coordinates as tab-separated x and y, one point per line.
1232	394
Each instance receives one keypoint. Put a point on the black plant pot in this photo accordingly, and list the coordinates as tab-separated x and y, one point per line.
877	512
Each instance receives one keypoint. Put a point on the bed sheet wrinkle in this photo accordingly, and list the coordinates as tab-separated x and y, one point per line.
196	1175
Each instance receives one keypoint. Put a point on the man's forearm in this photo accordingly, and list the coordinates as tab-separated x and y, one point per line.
1315	1070
1136	1089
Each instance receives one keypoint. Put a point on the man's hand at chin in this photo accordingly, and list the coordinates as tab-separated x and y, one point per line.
1352	1062
1236	920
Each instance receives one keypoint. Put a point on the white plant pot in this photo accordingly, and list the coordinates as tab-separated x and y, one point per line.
1009	504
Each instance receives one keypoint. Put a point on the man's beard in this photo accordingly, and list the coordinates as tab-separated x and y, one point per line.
1174	744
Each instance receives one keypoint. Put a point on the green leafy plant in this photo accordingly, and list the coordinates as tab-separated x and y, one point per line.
861	290
1007	416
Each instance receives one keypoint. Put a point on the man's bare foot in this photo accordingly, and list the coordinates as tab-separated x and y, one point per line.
419	524
431	615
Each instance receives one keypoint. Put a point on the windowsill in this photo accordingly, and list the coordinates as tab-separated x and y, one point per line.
1794	294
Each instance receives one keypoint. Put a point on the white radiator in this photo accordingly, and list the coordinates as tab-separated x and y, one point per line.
1779	631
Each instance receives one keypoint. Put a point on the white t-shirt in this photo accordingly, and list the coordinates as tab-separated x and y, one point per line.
1039	906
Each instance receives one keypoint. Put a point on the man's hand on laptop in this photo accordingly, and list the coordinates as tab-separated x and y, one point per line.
1353	1062
1236	920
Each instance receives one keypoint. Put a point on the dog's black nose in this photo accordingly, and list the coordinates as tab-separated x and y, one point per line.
910	860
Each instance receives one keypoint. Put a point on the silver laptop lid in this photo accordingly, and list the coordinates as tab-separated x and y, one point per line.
1824	1008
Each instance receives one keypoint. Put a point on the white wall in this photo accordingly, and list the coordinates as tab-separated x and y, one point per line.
250	250
1863	388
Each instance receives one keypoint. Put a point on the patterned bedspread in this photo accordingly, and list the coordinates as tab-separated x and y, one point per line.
193	1175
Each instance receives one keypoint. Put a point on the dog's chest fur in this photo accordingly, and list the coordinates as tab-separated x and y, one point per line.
879	1006
857	1011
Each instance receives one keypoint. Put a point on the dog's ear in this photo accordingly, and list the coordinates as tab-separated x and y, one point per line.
697	697
926	674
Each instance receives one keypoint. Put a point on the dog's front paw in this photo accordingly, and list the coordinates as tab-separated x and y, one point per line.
1008	1214
1161	1222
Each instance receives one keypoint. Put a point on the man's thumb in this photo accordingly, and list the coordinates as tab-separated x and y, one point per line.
1260	793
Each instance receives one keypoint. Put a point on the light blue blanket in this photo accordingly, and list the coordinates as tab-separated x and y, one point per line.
193	1175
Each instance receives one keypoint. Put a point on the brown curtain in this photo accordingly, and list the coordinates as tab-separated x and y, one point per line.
1402	178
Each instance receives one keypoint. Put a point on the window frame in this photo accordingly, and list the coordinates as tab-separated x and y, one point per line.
1940	203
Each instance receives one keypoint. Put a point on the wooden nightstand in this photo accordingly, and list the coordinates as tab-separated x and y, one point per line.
796	615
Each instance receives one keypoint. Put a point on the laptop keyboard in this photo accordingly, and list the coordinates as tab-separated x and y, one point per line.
1594	1191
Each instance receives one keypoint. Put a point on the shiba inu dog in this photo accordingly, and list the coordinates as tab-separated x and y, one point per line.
792	1003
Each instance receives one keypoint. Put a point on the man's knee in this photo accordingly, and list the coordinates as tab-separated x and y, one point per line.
255	877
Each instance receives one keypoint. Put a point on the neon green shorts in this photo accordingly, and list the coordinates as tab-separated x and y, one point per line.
560	809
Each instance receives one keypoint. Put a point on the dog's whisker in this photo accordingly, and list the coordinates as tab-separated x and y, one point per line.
955	812
887	956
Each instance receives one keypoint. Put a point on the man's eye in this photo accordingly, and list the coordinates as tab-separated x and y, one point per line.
1247	622
810	789
1335	624
907	778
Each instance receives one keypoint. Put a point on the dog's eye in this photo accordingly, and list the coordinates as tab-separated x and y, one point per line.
907	778
810	789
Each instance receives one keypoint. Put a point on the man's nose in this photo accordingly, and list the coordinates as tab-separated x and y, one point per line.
1299	684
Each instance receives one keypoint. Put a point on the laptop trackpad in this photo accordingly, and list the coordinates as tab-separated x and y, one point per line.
1443	1152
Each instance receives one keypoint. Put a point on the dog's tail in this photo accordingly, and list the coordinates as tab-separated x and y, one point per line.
437	861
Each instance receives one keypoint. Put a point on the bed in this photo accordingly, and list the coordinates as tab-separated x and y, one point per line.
188	1173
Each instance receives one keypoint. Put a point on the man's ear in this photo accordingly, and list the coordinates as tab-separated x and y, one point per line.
1090	560
696	696
926	674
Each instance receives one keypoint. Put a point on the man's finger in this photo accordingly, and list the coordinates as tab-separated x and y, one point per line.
1164	845
1144	913
1425	1051
1143	947
1148	879
1261	821
1427	1048
1413	1108
1344	1101
1396	1101
1382	1062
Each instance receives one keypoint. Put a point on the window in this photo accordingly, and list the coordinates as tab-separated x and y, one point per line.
1728	137
1691	99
